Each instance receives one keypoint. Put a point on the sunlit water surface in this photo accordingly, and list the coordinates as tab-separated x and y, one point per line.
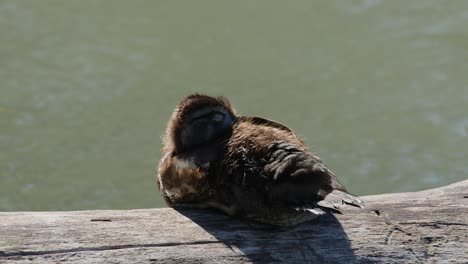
378	88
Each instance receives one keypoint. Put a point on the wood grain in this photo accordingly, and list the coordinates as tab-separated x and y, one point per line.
421	227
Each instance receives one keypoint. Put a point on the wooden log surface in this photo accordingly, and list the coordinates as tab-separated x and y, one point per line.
421	227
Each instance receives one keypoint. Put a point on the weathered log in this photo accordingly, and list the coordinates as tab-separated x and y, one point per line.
428	226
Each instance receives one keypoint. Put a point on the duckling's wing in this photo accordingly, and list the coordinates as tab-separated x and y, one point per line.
267	156
301	178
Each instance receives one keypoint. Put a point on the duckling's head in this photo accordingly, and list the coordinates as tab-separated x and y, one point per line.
198	120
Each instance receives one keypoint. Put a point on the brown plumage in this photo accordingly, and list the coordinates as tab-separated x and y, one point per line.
247	166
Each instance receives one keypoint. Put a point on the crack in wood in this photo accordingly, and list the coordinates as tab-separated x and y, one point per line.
101	220
416	236
102	248
395	228
434	224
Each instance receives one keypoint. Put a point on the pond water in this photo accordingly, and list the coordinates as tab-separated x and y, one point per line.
379	89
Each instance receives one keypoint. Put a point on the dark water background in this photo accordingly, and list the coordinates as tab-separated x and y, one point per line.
378	88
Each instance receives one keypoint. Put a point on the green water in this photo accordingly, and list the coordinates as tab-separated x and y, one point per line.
378	88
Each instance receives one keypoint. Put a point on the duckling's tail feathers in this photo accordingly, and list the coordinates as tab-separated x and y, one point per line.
338	199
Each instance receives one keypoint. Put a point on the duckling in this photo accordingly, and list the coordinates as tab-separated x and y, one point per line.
244	166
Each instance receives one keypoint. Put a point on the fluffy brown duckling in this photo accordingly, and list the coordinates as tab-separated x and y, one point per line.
243	165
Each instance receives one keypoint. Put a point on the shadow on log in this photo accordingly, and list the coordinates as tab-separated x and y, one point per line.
305	243
421	227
